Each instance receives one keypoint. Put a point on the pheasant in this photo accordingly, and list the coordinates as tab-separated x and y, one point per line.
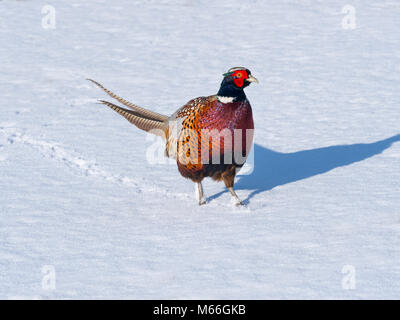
209	136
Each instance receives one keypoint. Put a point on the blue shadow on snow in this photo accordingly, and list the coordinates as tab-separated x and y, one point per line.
272	168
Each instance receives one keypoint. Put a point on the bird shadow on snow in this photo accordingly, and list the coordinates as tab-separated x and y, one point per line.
272	168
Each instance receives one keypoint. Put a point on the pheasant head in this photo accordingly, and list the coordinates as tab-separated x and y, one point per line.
235	80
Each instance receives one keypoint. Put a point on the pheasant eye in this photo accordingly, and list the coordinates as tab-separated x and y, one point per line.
238	75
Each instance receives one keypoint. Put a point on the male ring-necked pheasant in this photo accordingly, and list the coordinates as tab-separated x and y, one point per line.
209	136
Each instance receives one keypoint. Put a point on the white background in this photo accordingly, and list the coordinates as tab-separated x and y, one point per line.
77	193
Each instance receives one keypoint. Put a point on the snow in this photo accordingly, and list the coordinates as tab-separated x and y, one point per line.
78	194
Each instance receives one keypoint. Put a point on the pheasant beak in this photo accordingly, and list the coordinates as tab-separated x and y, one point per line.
252	79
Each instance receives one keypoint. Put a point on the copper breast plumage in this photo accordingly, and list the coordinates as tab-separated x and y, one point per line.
210	133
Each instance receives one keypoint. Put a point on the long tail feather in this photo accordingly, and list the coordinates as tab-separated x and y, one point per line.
144	112
146	124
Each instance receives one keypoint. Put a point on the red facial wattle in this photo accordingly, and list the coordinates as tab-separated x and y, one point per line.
239	76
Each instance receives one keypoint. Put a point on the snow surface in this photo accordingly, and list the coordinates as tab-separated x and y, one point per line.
77	193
